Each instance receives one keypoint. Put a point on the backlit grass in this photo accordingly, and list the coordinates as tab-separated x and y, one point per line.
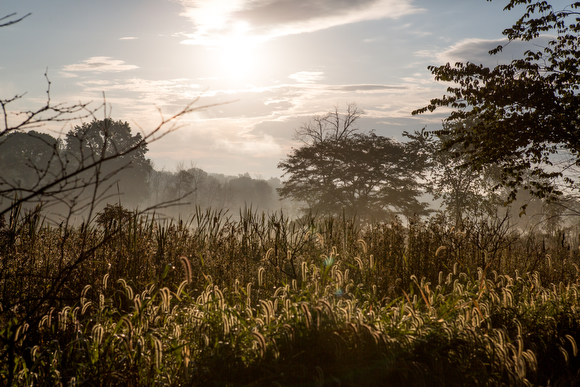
266	301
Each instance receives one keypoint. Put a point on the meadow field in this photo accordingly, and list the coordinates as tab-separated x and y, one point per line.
260	300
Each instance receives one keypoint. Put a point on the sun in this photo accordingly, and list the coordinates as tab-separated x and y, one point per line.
238	60
238	54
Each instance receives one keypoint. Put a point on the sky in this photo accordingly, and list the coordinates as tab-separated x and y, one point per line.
264	66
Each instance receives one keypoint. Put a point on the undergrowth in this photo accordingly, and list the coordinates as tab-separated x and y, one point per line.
265	301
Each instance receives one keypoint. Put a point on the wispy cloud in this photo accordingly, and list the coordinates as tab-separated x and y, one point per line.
365	88
307	76
261	20
471	49
100	64
260	124
128	38
373	40
477	51
257	146
161	93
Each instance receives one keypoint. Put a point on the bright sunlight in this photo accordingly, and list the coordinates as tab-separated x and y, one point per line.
238	54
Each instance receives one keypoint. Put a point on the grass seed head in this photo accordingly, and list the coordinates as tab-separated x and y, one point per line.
186	268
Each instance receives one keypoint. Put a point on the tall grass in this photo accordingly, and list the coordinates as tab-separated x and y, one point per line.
263	300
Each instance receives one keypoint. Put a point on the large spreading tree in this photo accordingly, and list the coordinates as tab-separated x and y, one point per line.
338	168
523	116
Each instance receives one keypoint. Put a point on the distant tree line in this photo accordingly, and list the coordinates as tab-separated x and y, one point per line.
30	159
188	188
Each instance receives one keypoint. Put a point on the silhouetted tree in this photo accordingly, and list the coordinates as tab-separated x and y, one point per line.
525	114
124	152
339	168
187	187
251	192
27	159
462	190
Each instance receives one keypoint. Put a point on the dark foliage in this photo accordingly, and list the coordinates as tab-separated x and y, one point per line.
524	115
339	169
27	159
123	153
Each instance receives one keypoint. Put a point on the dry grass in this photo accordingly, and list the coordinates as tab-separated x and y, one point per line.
266	301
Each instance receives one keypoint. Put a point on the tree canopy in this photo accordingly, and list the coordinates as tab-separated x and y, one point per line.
339	168
121	152
27	159
463	192
522	116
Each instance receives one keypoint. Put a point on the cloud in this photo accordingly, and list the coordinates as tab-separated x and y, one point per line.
260	125
364	88
477	51
100	64
261	20
128	38
169	94
373	40
471	49
65	74
306	76
263	146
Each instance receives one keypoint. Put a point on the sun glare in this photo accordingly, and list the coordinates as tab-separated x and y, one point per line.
237	60
238	54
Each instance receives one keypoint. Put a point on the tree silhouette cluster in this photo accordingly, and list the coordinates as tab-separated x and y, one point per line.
102	154
193	187
125	176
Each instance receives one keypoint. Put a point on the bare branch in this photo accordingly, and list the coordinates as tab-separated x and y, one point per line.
8	23
332	126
